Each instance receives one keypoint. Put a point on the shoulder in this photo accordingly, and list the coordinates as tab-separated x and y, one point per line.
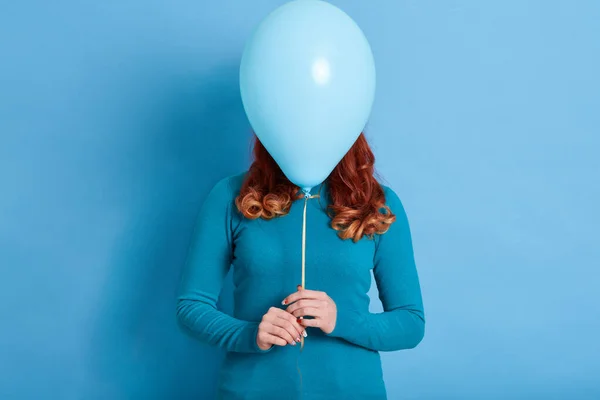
220	201
392	200
400	226
227	188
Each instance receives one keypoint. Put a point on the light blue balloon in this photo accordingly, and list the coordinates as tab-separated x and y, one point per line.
307	80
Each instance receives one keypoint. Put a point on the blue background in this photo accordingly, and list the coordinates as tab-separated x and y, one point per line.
116	117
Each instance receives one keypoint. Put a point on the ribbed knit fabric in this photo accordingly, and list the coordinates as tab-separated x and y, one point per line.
265	257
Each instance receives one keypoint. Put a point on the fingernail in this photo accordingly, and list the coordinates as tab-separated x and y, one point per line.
304	334
293	343
284	302
298	320
298	339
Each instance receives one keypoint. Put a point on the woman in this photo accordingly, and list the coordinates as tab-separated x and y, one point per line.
253	221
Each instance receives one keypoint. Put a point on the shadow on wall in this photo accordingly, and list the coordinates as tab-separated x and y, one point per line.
194	133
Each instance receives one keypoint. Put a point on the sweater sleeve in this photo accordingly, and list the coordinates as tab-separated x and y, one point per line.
208	261
402	323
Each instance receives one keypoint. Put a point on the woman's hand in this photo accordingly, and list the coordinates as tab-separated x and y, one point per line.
278	327
312	303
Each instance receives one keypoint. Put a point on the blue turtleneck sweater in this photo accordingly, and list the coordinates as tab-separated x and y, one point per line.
265	256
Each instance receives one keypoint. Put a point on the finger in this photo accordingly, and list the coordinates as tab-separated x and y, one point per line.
272	339
266	337
289	318
308	312
304	294
292	328
305	303
316	322
274	313
281	332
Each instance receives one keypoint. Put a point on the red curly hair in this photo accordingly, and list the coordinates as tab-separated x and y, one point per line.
357	206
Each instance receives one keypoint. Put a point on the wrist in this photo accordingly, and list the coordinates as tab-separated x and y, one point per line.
256	348
345	321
